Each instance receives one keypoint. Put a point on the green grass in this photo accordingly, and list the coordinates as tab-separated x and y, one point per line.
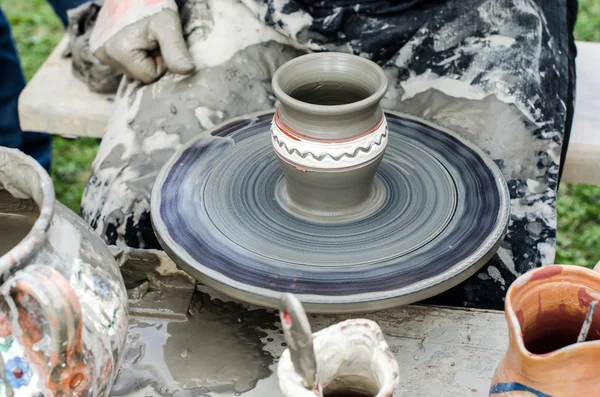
37	30
588	21
578	239
579	225
71	167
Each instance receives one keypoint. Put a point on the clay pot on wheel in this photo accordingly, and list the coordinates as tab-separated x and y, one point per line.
546	310
348	359
63	305
329	134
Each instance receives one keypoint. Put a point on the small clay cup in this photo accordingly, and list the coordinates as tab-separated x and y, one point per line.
353	359
545	310
330	133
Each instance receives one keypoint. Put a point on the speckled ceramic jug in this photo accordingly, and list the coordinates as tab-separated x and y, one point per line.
63	305
545	310
330	134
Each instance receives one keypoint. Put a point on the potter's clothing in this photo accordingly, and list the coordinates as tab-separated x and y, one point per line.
37	145
498	72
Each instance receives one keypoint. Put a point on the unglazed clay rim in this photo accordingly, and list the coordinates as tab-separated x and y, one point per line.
37	235
344	329
515	325
340	303
382	350
293	103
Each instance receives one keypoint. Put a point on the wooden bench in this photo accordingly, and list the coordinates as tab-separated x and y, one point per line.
583	157
56	102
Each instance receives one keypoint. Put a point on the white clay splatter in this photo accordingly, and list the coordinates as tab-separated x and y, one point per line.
495	274
207	117
547	252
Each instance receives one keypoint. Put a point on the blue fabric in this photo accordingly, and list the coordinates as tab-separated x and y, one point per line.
61	7
12	82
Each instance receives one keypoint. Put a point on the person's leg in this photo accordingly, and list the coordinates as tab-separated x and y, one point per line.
34	144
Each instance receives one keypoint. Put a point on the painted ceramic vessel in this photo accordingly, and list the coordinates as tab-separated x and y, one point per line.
348	359
63	313
546	309
330	134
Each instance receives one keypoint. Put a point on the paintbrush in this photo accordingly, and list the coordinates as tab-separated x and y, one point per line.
587	323
298	337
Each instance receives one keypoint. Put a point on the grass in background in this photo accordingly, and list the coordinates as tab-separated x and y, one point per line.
578	239
578	225
588	21
37	31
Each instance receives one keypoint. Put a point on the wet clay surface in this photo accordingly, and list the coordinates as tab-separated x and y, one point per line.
217	349
13	228
16	219
330	93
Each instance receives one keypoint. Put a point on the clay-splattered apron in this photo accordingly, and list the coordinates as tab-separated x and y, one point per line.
498	72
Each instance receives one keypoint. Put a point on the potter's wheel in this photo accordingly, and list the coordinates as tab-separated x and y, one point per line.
445	212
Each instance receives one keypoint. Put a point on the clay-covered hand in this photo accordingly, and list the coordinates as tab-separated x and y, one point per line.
141	38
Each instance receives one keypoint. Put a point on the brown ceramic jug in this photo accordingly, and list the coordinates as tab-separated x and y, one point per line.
546	309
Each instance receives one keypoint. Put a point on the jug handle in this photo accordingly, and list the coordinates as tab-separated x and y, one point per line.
60	307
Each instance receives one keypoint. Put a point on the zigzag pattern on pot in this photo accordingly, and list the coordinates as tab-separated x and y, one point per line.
336	158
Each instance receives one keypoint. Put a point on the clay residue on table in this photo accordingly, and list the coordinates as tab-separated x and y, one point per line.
216	349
